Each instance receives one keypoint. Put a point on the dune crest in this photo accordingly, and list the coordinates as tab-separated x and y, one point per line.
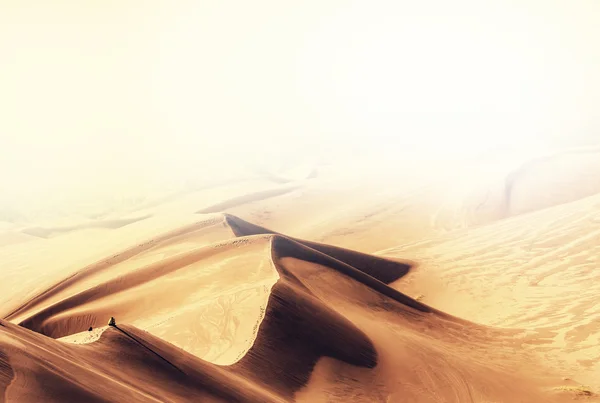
317	309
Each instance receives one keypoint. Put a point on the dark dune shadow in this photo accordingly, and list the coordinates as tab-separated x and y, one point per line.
287	247
384	270
296	331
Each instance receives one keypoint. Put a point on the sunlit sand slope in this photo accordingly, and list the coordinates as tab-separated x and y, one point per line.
225	310
536	271
287	305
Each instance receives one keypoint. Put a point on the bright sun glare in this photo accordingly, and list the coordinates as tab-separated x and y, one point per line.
103	94
392	77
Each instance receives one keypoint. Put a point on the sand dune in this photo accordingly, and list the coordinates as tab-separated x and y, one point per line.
468	299
79	294
244	199
326	328
555	179
124	365
534	272
13	237
45	232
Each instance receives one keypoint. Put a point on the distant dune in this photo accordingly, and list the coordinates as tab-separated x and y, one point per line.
559	178
46	232
249	198
485	192
327	308
13	237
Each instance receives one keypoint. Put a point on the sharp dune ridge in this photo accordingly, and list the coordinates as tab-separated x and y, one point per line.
358	266
295	320
384	270
328	307
124	365
108	262
224	309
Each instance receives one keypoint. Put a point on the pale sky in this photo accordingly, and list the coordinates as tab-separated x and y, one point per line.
116	94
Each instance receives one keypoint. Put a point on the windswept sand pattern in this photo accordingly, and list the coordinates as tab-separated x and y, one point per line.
259	317
144	280
300	201
225	309
110	262
535	266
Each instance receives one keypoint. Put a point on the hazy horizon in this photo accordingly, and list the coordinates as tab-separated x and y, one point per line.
100	97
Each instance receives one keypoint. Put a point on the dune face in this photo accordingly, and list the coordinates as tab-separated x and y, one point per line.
549	289
326	201
124	365
295	321
474	302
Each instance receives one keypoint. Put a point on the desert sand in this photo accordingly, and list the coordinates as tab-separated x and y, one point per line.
316	285
300	201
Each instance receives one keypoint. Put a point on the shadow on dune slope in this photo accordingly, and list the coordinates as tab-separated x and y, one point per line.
328	307
297	330
125	365
109	262
384	270
62	310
